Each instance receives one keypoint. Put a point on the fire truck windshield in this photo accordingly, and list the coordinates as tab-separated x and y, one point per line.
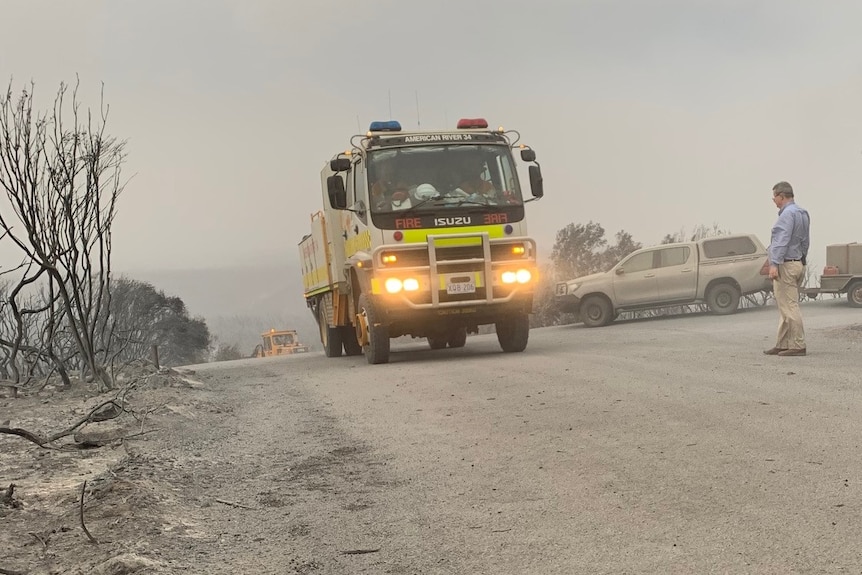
426	179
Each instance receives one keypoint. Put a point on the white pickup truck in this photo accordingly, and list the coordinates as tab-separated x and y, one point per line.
716	271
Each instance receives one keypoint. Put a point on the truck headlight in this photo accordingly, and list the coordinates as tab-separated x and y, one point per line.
520	276
393	285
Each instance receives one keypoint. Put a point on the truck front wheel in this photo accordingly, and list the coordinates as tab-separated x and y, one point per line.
596	311
436	341
376	349
330	337
513	332
351	344
854	294
458	337
722	299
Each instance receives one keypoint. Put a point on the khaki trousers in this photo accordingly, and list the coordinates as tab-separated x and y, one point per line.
791	334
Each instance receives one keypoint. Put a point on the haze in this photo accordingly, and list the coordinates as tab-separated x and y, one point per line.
647	117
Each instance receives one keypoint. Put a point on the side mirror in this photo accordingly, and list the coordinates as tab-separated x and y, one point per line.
339	164
528	155
536	184
337	194
620	271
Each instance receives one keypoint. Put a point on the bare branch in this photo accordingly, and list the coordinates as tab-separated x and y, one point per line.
40	441
61	174
81	515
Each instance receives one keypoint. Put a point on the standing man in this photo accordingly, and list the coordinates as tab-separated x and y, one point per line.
787	253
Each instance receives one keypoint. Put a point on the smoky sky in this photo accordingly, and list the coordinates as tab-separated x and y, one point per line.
647	116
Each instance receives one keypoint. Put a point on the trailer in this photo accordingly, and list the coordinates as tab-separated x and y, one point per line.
842	274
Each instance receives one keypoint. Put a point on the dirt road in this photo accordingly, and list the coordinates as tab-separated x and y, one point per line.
661	446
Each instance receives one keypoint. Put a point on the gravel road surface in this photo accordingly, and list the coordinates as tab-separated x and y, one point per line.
669	445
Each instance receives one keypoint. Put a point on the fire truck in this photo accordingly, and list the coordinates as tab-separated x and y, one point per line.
422	234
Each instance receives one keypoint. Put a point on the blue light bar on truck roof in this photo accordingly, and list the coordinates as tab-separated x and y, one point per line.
390	126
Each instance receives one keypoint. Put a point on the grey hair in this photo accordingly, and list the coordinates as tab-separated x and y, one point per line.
783	188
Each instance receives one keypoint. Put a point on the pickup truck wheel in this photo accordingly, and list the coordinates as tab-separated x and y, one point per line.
436	342
330	337
351	344
377	349
596	311
458	337
513	332
854	294
722	299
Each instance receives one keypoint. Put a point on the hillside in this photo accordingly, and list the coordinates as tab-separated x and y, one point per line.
240	302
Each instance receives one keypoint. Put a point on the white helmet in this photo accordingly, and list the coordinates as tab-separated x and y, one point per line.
425	191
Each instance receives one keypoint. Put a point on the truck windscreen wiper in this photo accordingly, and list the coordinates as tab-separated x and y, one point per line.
473	201
423	202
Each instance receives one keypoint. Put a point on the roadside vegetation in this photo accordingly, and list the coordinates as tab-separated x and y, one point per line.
62	312
80	349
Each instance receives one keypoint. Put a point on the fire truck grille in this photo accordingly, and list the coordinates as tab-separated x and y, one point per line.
419	257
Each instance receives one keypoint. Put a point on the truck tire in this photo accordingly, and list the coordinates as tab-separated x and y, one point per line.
351	343
513	332
436	341
854	293
377	349
330	337
596	311
458	337
722	299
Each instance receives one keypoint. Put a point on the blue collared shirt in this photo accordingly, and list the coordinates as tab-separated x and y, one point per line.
790	237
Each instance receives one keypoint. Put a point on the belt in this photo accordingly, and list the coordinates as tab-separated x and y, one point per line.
786	260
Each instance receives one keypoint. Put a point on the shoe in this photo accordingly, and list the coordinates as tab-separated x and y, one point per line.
792	352
774	351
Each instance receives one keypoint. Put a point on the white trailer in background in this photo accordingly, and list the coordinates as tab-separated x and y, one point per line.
842	273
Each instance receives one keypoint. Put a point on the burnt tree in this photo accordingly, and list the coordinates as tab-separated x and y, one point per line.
61	173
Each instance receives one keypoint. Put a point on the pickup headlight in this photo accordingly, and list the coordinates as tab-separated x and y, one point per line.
564	288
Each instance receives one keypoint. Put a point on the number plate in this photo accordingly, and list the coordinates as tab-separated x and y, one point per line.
456	287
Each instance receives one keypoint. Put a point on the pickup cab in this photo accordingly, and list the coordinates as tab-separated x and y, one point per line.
716	271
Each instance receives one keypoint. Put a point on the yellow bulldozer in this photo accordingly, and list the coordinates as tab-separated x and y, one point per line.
279	342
